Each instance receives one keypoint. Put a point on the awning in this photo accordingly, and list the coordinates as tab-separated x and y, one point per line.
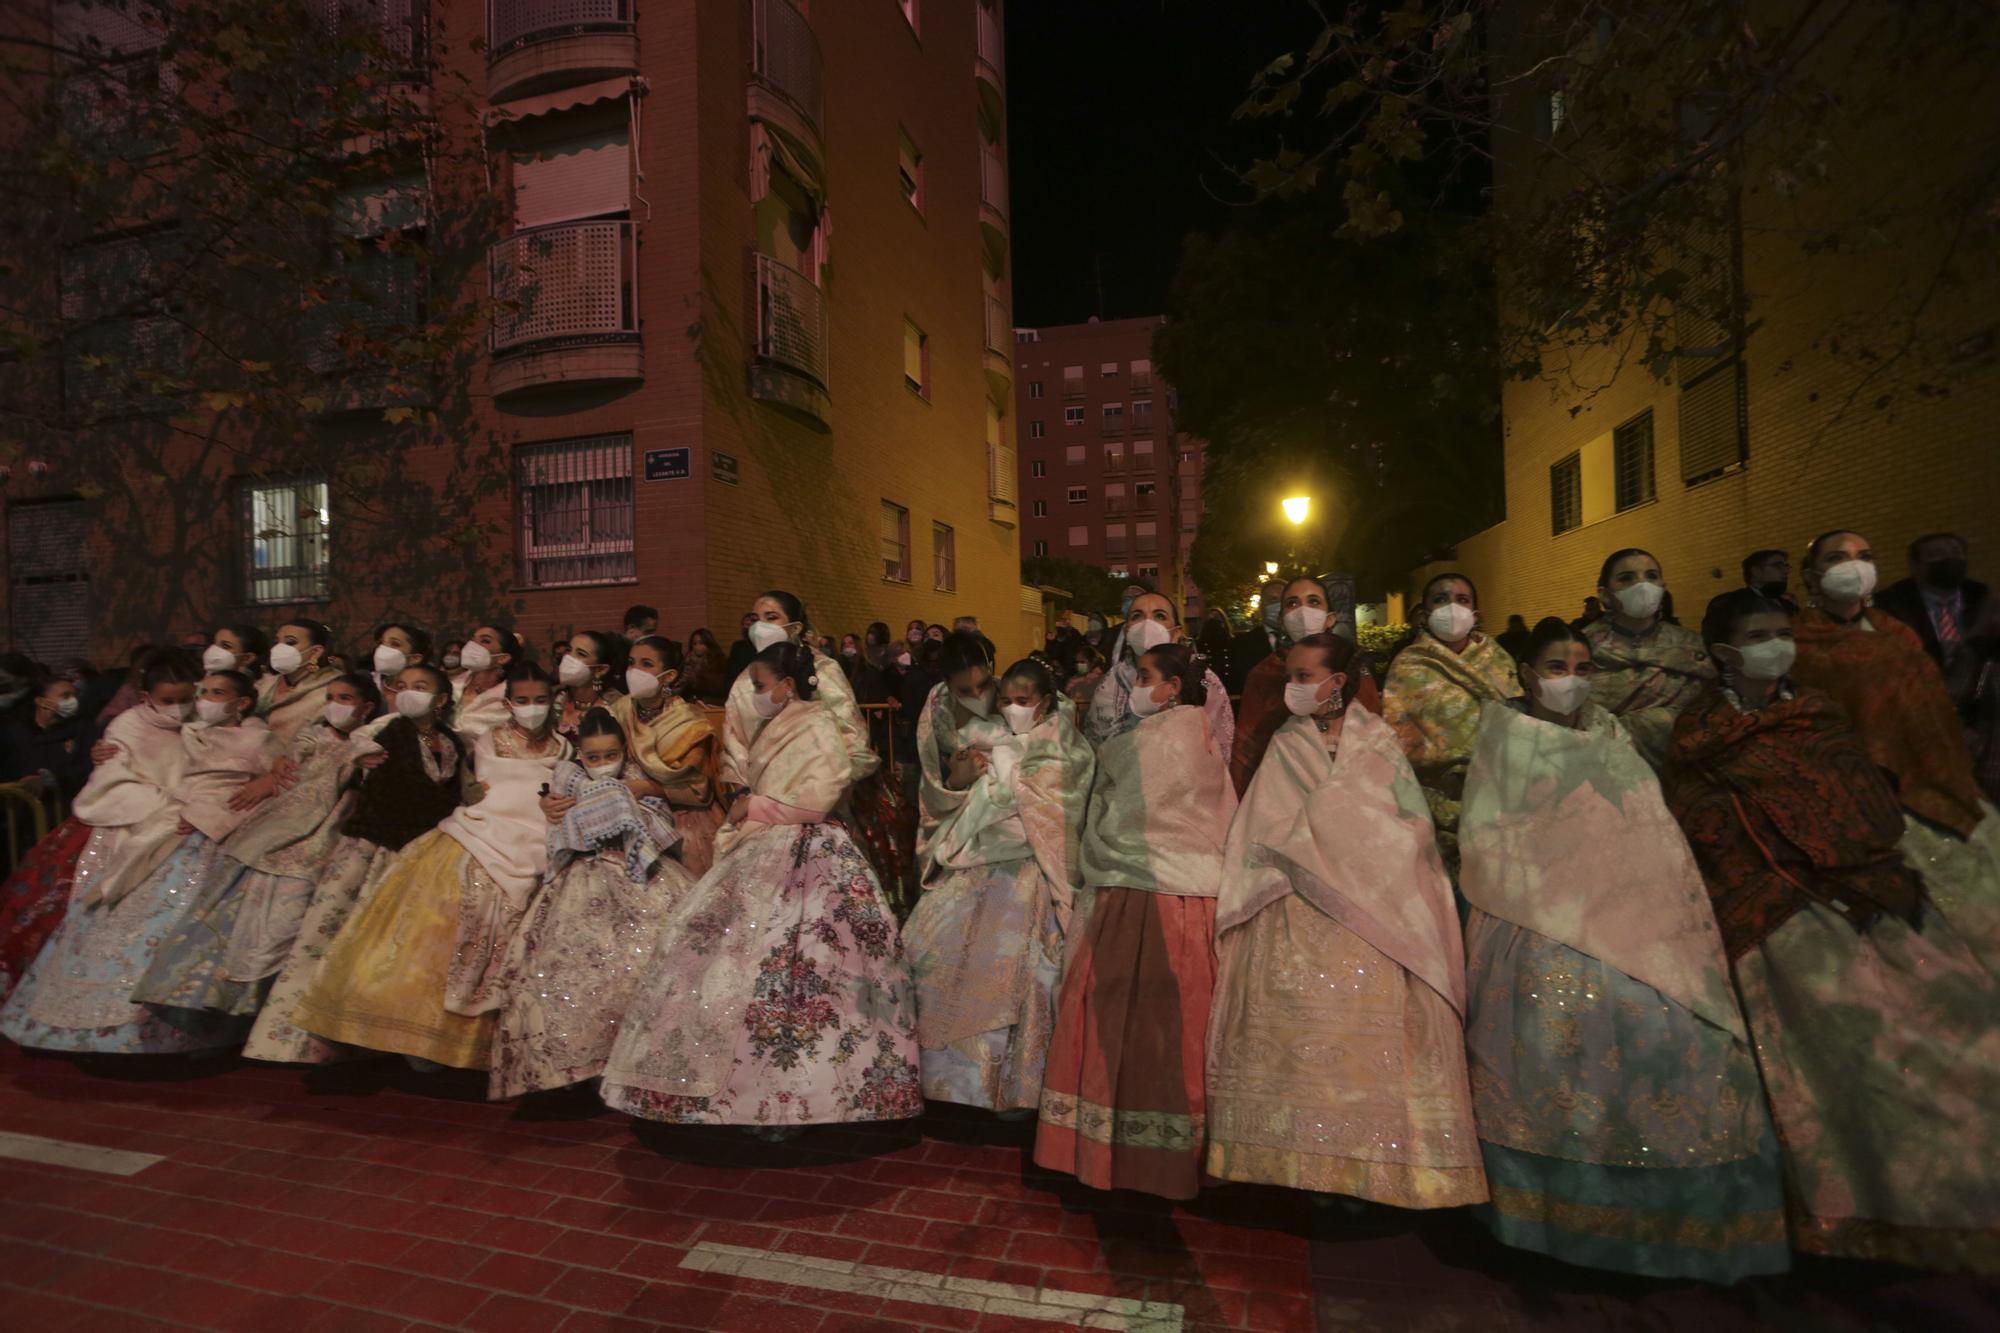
568	99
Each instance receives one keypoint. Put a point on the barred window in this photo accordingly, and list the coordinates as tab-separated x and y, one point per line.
283	546
944	558
1632	460
1566	494
575	500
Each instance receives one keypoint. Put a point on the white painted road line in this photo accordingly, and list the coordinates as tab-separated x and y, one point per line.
1081	1309
82	1156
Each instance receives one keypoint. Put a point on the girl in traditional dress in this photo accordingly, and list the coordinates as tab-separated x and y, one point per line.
480	691
413	772
1151	621
78	994
397	645
293	696
1877	1029
672	747
584	948
237	648
121	825
1616	1093
777	995
589	674
222	955
415	968
1647	669
1336	1050
1436	687
1123	1102
1006	778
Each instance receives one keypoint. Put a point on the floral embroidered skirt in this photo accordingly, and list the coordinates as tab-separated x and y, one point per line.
352	873
1124	1103
777	995
36	895
382	984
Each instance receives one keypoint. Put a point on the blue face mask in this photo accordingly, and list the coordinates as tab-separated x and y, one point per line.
1272	613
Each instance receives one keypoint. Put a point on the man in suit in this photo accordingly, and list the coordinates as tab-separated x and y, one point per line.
1258	642
1937	600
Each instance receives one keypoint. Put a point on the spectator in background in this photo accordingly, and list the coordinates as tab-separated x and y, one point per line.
1939	602
913	633
1086	667
641	621
970	625
1260	640
740	654
452	656
918	681
935	633
706	669
128	691
1515	638
47	745
1593	611
1769	571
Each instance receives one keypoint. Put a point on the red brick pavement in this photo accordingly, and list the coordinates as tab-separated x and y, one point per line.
371	1198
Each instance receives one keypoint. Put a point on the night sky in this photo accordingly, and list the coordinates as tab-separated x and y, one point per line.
1118	115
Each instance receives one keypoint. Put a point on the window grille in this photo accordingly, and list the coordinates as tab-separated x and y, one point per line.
576	512
284	541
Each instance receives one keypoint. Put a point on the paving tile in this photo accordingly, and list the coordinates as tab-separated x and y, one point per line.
592	1289
515	1274
516	1314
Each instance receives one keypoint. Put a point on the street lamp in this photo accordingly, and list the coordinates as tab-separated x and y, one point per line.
1270	566
1297	507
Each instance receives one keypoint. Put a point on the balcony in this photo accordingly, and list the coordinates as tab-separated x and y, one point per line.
1141	382
989	67
998	357
1111	426
789	363
787	91
993	210
568	298
534	46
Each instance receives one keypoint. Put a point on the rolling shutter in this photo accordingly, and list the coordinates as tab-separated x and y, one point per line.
578	178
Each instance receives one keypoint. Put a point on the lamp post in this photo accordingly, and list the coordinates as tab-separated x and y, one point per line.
1298	508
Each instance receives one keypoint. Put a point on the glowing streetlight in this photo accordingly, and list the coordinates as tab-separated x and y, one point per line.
1297	507
1270	566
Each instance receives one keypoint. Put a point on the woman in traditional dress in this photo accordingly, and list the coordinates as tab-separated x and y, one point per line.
1151	621
479	692
672	747
589	674
224	951
293	696
1305	610
1615	1090
1006	778
1336	1050
1647	670
121	825
237	648
777	996
1086	670
414	771
1123	1102
415	969
397	645
1877	1029
1875	668
78	994
1436	687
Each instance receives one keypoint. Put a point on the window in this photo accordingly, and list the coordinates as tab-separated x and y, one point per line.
589	176
910	171
380	287
1146	536
909	8
1114	497
1114	418
1114	541
1632	461
1072	416
916	360
1037	429
1039	468
1142	415
1114	458
1149	572
1041	509
1079	495
575	498
1072	381
895	543
1142	453
114	96
1142	376
1073	455
1108	370
1041	548
944	558
1034	388
1566	494
1712	411
1144	490
1551	112
116	299
1079	536
284	541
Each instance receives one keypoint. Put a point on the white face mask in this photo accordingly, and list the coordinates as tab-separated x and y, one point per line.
213	711
217	658
979	705
641	684
1849	581
1451	622
414	704
767	706
475	657
389	660
598	772
573	671
1302	621
339	715
1143	704
174	713
765	633
451	661
1641	600
1302	698
68	707
529	716
1146	635
1769	660
1020	718
1562	695
286	658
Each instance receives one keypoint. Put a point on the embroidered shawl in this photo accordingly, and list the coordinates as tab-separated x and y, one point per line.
1111	716
1565	833
1433	699
1160	807
605	815
1351	834
1645	682
1261	712
138	791
1783	807
294	830
800	758
219	761
300	708
506	832
677	749
1895	696
833	694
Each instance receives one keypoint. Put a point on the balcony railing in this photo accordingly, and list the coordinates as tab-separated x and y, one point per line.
999	327
785	56
993	183
1111	426
791	319
1142	381
571	283
512	23
400	25
992	43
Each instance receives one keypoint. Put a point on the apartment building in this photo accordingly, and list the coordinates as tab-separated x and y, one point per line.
694	387
1106	479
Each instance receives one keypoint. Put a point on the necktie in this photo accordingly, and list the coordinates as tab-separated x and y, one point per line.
1948	634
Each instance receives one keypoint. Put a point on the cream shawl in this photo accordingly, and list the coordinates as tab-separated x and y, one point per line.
1160	808
295	830
1351	834
800	758
219	761
833	694
1564	832
301	707
477	714
135	796
506	832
